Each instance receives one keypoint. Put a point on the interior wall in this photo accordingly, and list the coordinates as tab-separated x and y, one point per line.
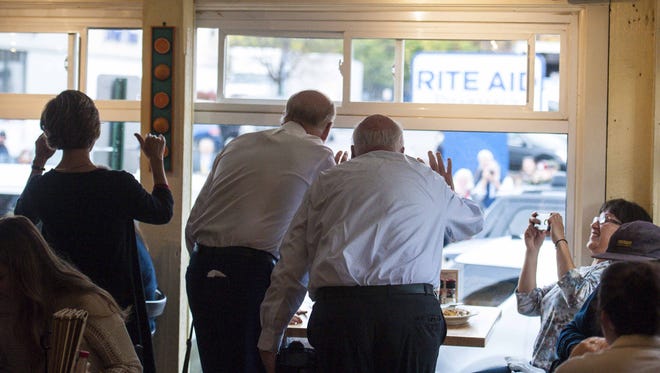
630	124
166	242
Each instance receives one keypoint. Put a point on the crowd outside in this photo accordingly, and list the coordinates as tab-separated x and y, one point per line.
463	182
34	284
237	223
619	328
87	212
635	241
488	178
371	272
4	152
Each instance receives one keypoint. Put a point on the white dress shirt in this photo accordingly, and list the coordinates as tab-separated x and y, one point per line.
255	187
378	219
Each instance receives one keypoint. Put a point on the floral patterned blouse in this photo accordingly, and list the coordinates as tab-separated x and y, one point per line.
557	304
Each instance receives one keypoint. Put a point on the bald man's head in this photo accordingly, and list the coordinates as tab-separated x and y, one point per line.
377	132
309	108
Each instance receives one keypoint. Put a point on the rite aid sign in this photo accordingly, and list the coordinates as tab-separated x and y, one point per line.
474	78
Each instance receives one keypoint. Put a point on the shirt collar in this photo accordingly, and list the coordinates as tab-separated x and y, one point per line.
297	129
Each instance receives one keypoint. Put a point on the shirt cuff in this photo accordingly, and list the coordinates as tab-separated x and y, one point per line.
164	186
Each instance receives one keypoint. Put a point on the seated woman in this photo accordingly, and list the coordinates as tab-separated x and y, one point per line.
34	284
557	303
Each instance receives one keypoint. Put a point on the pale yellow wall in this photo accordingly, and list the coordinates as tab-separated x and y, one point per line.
631	112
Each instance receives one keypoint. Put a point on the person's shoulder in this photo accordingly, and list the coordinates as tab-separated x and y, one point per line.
106	173
92	302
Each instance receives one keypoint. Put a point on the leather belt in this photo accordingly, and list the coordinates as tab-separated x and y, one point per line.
330	292
238	251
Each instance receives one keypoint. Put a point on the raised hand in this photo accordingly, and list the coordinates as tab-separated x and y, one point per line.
341	157
42	152
437	165
533	236
152	146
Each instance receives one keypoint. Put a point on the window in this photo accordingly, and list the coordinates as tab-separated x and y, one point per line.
114	64
34	66
34	62
471	84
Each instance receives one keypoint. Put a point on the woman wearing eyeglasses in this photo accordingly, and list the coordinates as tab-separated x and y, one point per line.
558	302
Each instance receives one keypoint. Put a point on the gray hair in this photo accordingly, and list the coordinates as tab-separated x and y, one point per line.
309	108
378	132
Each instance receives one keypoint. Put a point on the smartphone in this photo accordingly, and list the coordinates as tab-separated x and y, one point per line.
543	217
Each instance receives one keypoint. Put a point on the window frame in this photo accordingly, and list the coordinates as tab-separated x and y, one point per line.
583	77
75	22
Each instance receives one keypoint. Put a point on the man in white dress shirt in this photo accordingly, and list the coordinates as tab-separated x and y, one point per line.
237	224
367	243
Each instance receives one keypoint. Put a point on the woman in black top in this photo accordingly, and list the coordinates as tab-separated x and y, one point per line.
87	212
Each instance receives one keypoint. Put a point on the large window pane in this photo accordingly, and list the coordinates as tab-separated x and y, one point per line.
33	62
116	148
547	66
114	64
373	69
277	67
206	64
466	71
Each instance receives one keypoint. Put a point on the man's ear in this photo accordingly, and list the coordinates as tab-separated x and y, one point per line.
607	327
353	151
326	131
403	150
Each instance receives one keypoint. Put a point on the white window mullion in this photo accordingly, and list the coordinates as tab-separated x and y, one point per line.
345	68
399	62
222	64
531	68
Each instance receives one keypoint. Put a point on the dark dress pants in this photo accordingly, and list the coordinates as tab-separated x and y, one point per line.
393	333
225	291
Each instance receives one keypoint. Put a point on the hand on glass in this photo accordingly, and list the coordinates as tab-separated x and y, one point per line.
341	157
437	165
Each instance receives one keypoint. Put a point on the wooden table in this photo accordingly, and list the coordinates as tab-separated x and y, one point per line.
473	334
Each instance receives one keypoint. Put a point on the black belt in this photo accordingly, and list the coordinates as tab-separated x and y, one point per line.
237	250
330	292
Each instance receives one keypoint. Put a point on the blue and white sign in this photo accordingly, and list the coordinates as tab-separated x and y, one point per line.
474	78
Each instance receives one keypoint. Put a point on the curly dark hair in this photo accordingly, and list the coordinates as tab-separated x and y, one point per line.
625	211
71	121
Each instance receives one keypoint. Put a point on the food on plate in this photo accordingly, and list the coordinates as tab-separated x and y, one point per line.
455	312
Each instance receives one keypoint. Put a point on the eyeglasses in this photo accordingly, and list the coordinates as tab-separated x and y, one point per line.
603	218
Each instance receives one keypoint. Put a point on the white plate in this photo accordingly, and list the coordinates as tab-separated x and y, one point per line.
460	320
